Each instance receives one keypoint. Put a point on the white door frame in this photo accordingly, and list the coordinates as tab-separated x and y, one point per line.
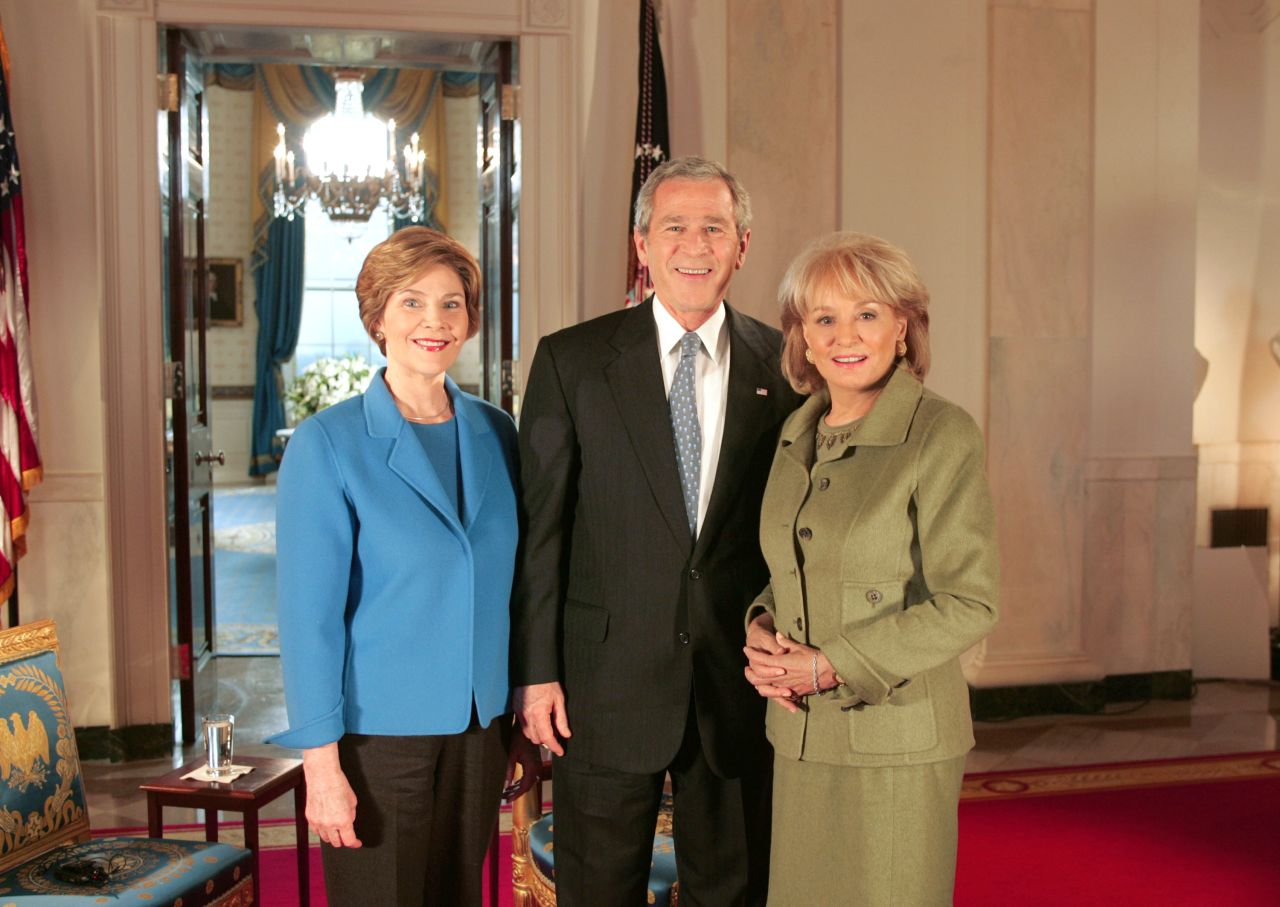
126	135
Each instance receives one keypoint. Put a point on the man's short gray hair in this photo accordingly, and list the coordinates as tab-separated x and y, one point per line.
700	170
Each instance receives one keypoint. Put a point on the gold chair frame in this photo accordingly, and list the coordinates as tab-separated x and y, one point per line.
529	886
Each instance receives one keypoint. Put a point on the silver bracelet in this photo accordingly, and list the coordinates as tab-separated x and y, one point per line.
816	691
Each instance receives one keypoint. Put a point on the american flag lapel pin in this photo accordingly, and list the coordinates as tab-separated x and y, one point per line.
762	391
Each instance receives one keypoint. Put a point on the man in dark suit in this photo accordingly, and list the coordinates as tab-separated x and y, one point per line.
646	437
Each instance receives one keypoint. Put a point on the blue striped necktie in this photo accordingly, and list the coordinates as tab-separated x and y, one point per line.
684	422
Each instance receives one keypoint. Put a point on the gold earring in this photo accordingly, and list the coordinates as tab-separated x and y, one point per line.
902	348
808	355
377	335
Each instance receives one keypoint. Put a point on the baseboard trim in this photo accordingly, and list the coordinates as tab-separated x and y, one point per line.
1077	698
125	744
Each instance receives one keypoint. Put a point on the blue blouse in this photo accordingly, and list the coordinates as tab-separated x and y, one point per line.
440	441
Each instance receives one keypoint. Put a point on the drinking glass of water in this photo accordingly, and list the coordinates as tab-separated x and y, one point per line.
219	742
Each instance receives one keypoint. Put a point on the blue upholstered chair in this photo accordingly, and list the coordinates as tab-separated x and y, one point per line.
46	856
533	853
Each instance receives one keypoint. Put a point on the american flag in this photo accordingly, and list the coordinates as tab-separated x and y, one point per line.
653	141
19	457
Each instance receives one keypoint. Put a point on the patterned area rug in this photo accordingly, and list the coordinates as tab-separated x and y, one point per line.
244	570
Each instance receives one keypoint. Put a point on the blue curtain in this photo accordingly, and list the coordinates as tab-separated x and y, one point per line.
278	285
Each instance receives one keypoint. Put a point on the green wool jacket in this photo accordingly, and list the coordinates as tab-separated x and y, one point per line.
885	559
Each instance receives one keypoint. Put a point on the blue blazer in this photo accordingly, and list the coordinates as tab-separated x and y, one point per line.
394	611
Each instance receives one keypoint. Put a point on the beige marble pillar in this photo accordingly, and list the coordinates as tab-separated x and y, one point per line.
1140	479
1040	195
913	159
782	134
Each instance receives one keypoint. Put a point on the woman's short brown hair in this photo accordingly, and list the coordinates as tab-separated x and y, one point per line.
854	265
400	260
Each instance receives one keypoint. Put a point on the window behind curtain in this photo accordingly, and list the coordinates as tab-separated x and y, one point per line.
330	313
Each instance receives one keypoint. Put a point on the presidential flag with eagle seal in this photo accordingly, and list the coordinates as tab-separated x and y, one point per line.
20	468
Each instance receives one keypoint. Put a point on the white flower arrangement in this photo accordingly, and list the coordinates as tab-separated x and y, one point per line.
325	382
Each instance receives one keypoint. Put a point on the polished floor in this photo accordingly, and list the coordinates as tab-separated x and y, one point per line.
1223	717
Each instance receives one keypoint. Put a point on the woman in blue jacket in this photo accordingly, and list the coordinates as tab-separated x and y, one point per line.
397	537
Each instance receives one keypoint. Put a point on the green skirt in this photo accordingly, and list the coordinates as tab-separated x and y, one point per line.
864	837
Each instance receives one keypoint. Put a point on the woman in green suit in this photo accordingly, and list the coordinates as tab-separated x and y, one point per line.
879	534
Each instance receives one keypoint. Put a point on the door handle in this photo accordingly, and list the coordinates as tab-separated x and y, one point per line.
220	458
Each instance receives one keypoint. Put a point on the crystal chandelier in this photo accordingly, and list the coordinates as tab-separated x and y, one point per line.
357	169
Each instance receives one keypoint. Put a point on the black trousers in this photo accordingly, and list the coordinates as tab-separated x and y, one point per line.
604	825
426	808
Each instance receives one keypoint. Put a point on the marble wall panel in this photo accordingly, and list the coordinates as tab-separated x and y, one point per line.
1040	202
605	87
1170	641
1137	569
1041	180
695	46
1037	443
783	115
68	525
1146	141
64	574
913	164
51	102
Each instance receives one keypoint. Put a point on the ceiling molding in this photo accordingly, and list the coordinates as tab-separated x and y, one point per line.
348	48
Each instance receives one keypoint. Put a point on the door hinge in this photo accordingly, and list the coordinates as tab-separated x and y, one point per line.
167	91
174	381
182	661
510	106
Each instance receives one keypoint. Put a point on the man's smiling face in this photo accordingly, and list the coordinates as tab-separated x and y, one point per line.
692	247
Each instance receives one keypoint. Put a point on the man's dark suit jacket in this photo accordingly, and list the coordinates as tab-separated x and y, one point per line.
613	598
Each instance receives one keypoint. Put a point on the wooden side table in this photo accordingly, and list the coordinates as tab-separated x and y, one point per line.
247	794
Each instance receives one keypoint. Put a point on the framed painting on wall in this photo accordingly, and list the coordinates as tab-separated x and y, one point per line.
226	291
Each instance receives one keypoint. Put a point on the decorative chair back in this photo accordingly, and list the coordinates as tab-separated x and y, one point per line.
42	802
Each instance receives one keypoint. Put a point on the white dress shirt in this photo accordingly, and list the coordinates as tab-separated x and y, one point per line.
710	382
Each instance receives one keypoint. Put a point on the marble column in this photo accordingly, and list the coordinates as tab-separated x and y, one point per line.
1141	474
1040	196
782	134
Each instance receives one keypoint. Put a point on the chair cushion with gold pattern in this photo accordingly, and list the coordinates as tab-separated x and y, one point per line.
662	872
132	872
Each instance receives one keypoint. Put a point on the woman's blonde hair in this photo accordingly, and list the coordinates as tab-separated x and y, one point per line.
854	265
400	260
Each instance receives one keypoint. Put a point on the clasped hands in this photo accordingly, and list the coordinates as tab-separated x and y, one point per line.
782	669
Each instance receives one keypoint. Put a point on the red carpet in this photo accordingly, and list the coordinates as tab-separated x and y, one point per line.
1172	833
